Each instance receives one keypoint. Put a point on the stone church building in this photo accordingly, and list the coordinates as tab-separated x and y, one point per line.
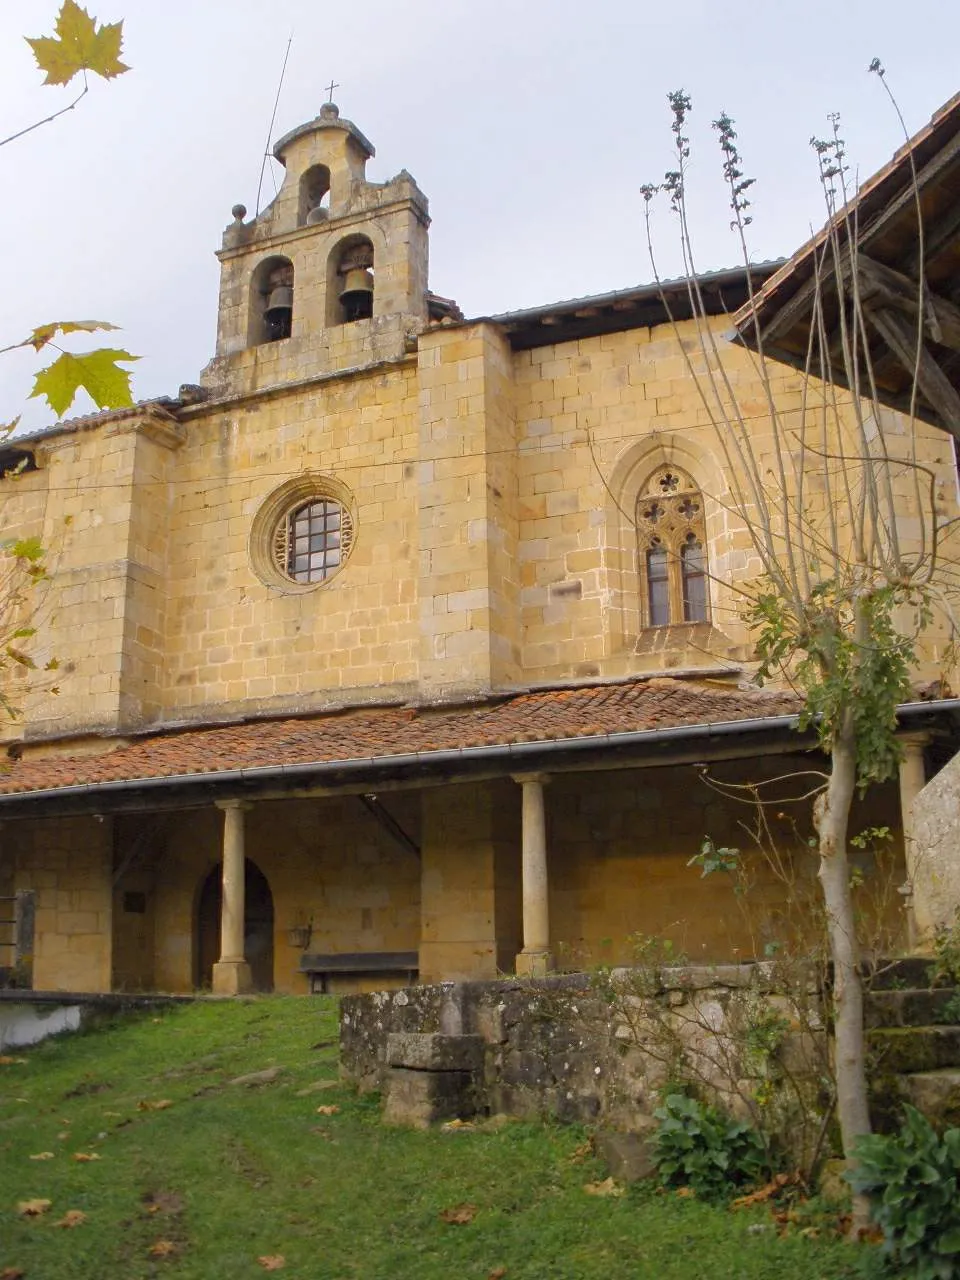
398	644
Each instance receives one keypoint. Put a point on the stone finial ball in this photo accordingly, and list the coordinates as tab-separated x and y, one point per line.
329	111
239	211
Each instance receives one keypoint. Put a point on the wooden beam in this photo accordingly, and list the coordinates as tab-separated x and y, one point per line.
941	318
937	236
802	300
932	382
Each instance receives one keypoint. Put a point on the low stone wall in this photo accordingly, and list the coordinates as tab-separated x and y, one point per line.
564	1047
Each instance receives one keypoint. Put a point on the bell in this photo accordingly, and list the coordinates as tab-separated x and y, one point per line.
319	213
280	299
356	296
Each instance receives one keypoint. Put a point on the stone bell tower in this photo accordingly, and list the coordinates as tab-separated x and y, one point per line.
331	276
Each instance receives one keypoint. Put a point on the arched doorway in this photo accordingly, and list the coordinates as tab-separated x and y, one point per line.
257	927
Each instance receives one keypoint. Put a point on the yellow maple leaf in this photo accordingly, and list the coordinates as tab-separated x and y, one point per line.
162	1249
84	1157
605	1188
33	1208
43	1155
79	45
72	1218
272	1261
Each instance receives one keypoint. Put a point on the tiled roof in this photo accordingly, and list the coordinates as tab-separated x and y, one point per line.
573	714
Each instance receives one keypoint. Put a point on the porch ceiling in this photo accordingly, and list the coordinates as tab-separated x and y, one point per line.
892	267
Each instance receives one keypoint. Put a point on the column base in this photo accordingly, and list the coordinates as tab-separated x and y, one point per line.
231	978
534	964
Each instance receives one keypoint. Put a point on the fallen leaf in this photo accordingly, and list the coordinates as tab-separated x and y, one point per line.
160	1105
12	1273
43	1155
605	1188
272	1261
497	1274
62	1137
162	1249
328	1111
33	1208
84	1157
686	1193
72	1218
581	1153
459	1216
452	1126
767	1192
7	1061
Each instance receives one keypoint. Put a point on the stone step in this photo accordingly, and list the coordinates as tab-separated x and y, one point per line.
935	1093
927	1008
898	1050
909	973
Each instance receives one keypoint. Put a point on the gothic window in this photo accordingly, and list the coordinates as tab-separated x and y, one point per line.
671	541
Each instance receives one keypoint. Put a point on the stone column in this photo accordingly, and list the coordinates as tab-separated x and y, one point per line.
231	973
534	960
913	779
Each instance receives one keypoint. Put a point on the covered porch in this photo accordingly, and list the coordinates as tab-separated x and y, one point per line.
536	833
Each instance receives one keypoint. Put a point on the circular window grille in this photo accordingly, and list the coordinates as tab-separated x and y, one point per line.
313	540
303	533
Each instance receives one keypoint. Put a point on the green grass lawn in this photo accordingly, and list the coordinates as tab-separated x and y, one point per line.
228	1174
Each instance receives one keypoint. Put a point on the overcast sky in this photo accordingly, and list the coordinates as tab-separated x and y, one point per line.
529	124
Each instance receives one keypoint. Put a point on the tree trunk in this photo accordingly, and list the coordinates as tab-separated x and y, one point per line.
832	818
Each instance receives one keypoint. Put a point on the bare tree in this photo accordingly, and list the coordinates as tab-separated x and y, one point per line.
847	583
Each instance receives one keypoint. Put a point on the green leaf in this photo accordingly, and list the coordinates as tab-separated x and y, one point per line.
97	372
45	333
79	45
23	659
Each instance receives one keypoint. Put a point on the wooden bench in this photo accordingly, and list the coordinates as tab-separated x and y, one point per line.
319	968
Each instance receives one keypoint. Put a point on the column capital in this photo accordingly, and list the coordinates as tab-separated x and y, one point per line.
521	778
227	805
914	740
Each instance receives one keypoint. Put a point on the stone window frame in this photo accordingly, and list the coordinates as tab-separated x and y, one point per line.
270	533
670	522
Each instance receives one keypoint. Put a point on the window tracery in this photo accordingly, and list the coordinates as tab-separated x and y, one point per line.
671	544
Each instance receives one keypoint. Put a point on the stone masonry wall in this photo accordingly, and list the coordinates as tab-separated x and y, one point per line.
551	1047
936	832
495	544
68	863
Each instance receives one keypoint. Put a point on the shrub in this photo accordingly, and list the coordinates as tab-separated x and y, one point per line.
699	1147
910	1180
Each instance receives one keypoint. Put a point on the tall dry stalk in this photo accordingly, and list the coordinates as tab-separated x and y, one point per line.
823	489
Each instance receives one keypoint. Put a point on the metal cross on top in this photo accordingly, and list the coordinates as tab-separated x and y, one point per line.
330	88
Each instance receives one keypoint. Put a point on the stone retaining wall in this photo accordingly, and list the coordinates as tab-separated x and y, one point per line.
555	1046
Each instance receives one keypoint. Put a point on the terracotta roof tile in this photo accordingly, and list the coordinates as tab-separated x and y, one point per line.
368	732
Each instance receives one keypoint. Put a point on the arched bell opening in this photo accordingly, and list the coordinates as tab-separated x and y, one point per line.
257	927
350	281
314	196
271	301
